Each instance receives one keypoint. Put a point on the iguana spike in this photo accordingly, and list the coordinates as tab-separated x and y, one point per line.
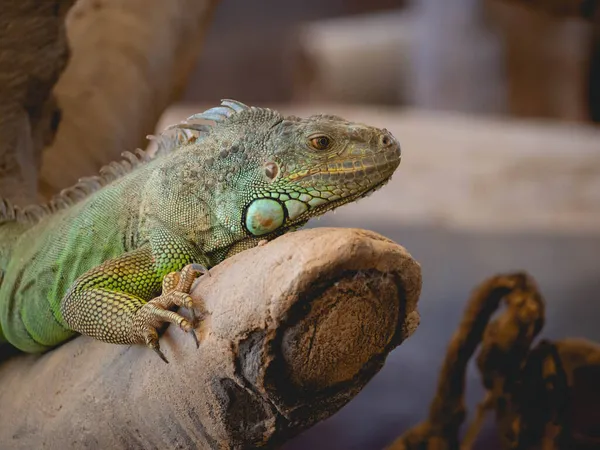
35	212
78	193
222	110
59	202
219	113
90	184
131	158
234	104
121	167
207	115
142	155
5	207
112	171
199	127
8	211
166	143
66	197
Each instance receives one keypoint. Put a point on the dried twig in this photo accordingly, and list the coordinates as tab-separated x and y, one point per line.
504	339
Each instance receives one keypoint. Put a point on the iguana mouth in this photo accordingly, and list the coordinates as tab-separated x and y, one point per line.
268	215
352	180
331	205
381	165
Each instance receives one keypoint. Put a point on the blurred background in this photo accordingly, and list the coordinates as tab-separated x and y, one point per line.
478	56
495	106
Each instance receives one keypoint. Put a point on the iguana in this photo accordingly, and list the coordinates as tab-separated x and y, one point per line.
95	259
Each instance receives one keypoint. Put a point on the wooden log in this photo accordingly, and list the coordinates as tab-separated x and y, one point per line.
293	330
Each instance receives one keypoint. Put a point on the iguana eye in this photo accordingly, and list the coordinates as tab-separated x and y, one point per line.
320	142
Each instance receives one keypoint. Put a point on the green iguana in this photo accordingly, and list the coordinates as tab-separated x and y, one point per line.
95	258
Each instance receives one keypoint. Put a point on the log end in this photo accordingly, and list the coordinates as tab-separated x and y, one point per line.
337	302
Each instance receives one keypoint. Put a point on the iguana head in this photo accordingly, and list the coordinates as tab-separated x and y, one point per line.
313	165
273	173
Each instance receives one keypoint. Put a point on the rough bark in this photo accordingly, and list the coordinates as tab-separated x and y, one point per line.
293	330
33	53
130	60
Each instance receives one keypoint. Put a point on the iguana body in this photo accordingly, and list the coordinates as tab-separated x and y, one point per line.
94	260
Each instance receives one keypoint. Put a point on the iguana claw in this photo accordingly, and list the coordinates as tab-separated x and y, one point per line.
161	354
195	336
198	268
176	288
151	338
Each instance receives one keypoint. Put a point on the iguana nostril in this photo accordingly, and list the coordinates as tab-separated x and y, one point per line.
271	170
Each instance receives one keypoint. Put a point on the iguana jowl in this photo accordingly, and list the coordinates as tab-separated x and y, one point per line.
95	258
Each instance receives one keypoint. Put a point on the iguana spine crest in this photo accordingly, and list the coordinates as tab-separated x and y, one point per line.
167	141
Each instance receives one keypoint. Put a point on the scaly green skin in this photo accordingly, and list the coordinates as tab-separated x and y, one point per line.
96	265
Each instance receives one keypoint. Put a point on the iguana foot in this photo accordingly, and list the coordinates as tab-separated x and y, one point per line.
176	288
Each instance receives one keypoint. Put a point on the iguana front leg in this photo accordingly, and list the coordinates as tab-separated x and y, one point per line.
119	302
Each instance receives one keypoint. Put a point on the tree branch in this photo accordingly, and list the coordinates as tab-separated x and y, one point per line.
294	329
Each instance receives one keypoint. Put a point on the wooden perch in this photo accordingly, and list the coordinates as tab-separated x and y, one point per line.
293	330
